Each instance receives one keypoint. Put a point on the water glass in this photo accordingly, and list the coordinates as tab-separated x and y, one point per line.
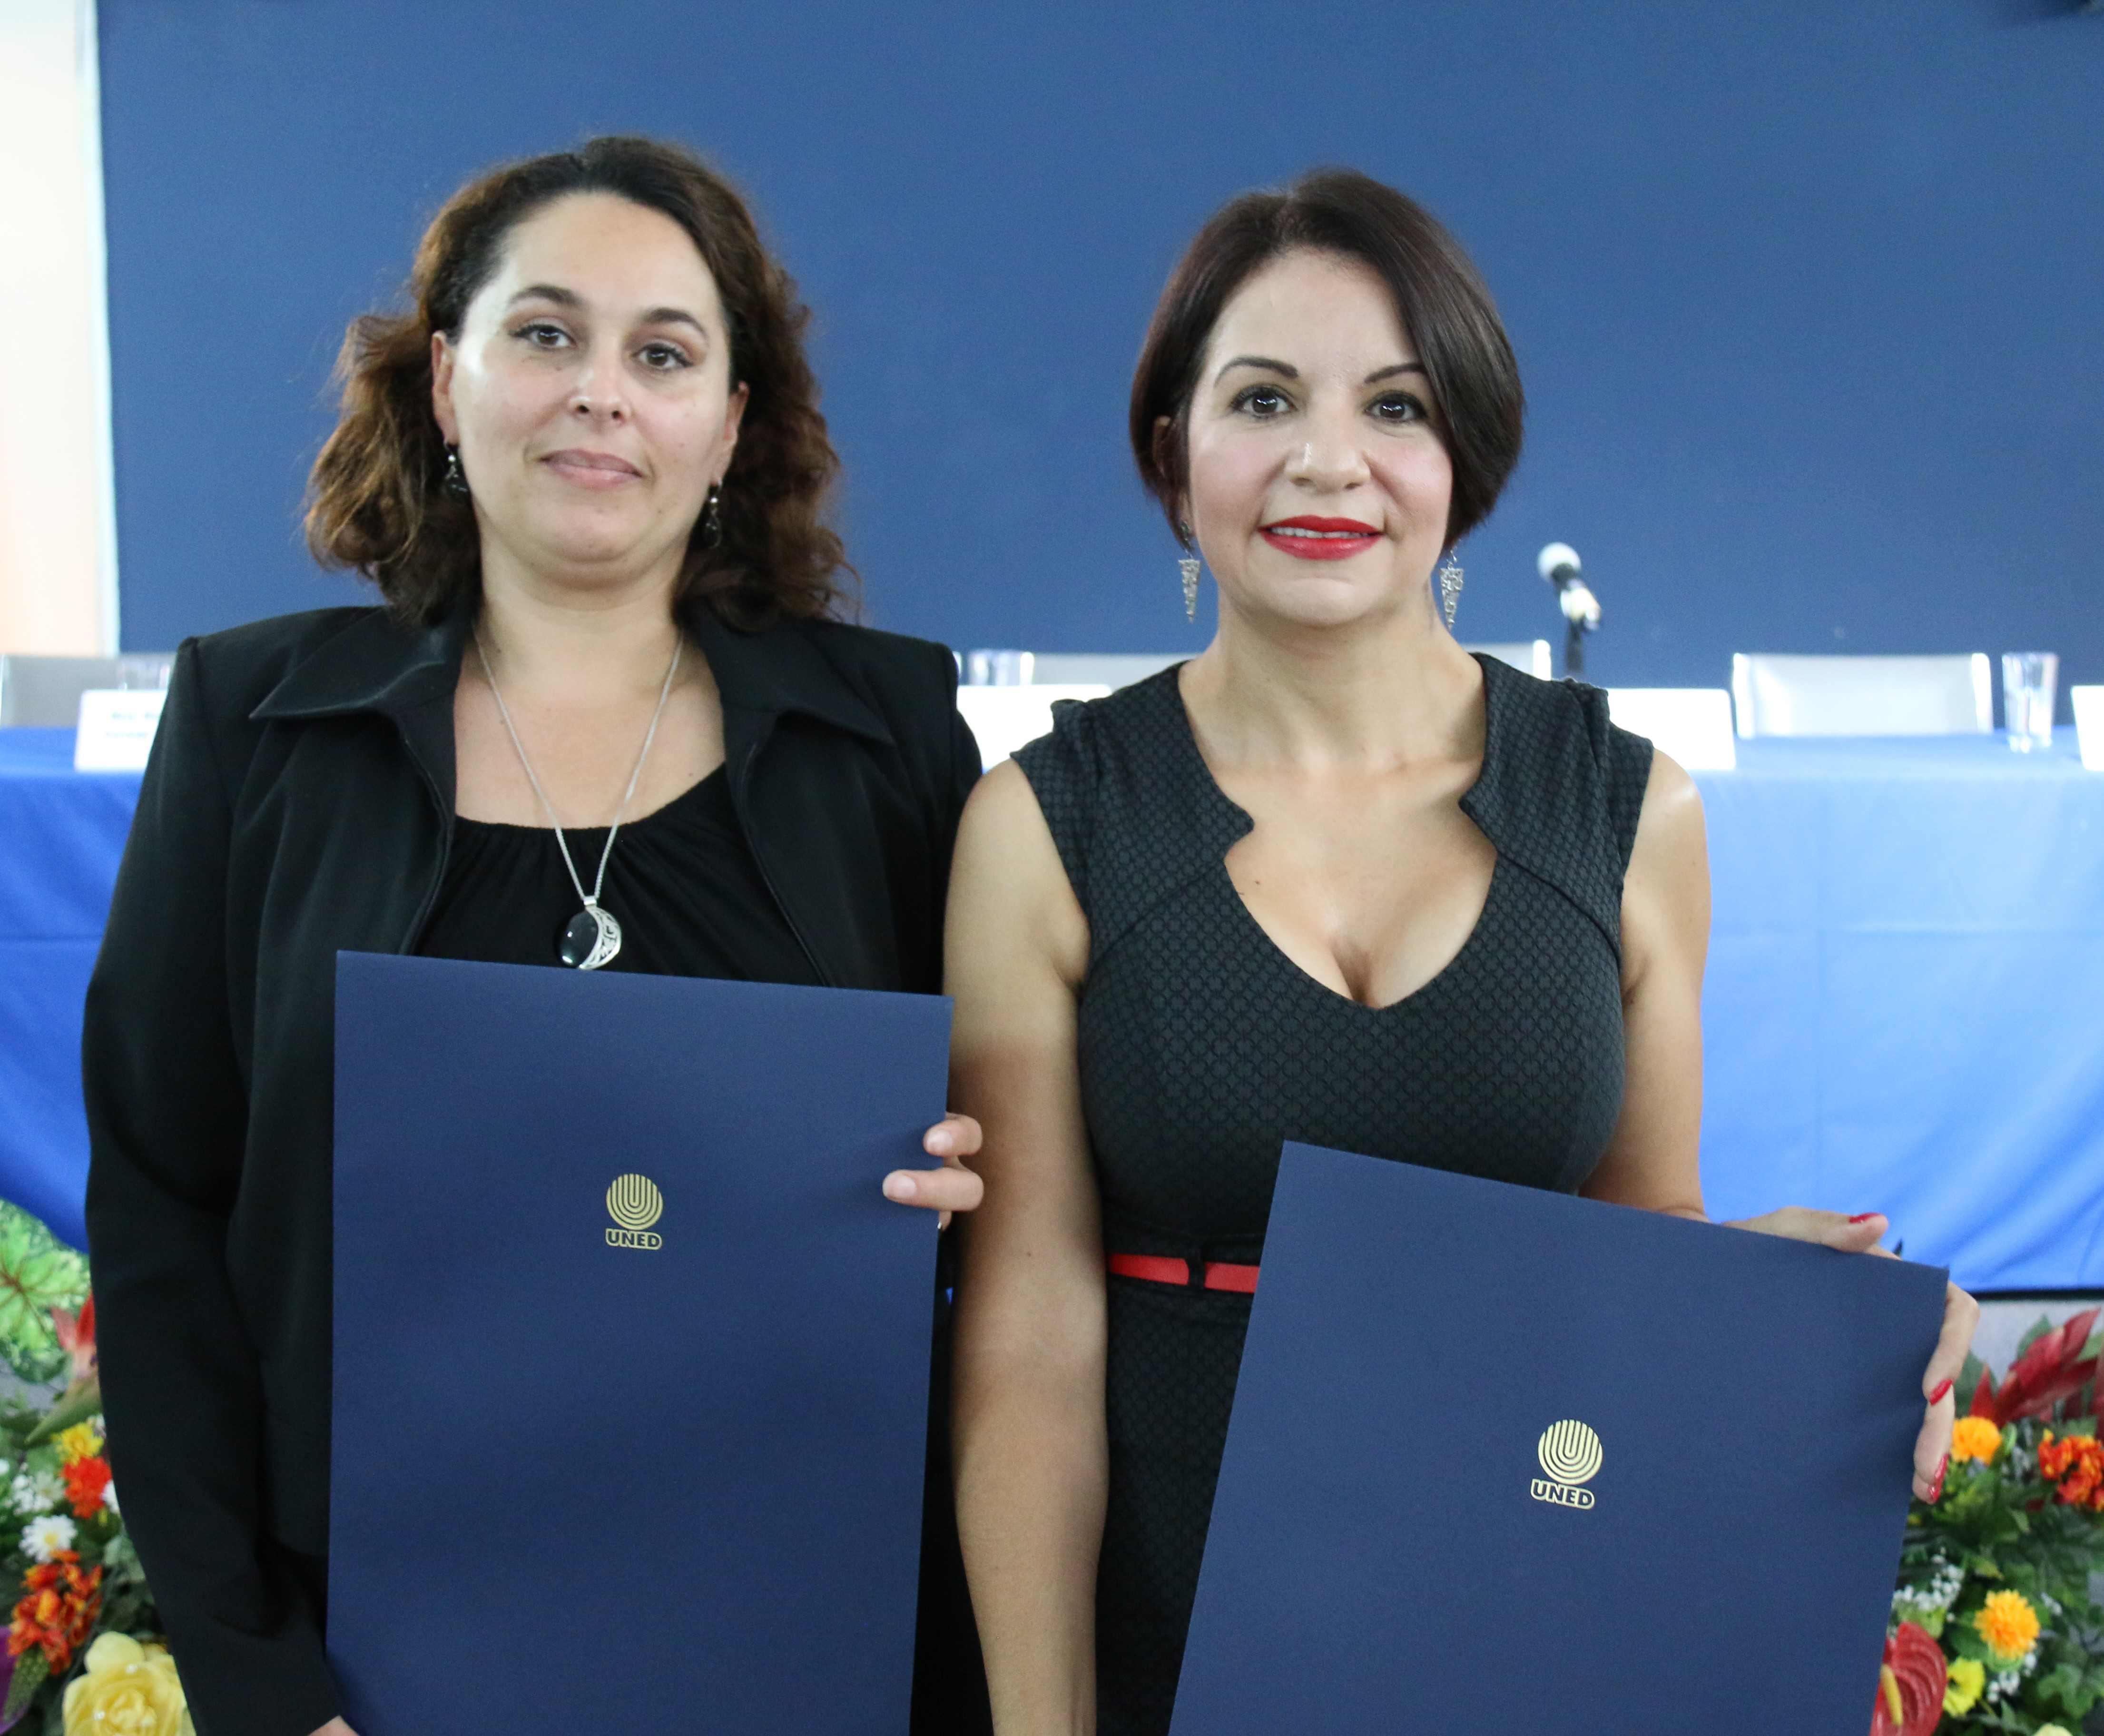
998	668
2027	685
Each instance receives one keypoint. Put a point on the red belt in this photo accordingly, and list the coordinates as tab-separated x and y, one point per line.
1162	1269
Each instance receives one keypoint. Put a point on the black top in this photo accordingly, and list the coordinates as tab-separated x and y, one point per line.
1202	1047
300	801
681	883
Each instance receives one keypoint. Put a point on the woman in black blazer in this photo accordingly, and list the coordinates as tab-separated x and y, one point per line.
586	471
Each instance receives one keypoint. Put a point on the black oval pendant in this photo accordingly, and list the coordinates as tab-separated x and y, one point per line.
589	939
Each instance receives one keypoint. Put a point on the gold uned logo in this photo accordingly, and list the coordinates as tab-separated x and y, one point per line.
1571	1455
635	1204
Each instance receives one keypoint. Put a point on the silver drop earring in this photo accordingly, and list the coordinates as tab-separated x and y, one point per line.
455	480
1449	587
712	518
1187	564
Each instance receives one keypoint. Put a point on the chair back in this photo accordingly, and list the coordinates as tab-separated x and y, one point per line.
44	692
1777	695
1529	656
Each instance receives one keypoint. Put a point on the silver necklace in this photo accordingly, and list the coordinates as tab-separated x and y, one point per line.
592	938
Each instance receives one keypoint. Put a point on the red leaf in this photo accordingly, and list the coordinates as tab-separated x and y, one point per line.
1983	1399
2037	1399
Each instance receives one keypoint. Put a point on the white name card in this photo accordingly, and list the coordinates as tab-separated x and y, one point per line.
117	727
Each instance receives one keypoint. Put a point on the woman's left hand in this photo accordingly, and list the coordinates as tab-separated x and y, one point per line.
952	1187
1961	1313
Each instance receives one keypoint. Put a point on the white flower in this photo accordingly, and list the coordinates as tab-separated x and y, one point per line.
44	1539
109	1499
37	1491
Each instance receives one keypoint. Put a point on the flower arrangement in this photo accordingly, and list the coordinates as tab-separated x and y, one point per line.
82	1652
1995	1594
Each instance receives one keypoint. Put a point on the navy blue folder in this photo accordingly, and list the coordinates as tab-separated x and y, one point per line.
631	1355
1505	1460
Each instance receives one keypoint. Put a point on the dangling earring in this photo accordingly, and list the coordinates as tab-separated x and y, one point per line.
454	482
1450	586
712	518
1187	564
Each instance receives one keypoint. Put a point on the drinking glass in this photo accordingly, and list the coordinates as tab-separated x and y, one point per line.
2027	685
998	668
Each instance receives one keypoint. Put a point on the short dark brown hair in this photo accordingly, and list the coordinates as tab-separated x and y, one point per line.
376	500
1445	307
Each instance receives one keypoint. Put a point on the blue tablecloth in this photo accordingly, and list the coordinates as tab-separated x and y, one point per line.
1904	1010
61	833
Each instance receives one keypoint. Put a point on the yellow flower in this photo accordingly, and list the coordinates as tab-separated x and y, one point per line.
2009	1625
1969	1676
83	1440
2053	1729
127	1689
1975	1438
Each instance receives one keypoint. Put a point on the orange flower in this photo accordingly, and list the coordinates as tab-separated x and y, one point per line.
2077	1464
1975	1438
59	1605
85	1481
2009	1625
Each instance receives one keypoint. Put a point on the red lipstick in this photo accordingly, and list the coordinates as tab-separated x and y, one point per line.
1312	538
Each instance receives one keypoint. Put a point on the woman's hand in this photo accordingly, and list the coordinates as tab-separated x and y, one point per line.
335	1727
1861	1235
951	1188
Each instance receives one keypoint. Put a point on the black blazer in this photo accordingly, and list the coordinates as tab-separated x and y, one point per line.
299	800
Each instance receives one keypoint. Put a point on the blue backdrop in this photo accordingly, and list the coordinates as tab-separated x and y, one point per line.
1806	296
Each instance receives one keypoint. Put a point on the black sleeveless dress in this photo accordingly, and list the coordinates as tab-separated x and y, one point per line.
1202	1047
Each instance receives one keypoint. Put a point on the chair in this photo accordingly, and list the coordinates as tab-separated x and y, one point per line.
44	692
1529	656
1062	668
1863	695
1123	670
1692	724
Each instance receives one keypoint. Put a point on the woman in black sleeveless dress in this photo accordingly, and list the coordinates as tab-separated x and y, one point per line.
1333	881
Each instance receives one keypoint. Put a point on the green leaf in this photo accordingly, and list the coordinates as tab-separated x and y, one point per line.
78	1404
37	1274
31	1669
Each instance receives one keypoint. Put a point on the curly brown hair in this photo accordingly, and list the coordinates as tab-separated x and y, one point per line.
376	502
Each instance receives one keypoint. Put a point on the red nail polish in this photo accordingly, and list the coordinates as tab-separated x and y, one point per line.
1936	1490
1865	1217
1937	1397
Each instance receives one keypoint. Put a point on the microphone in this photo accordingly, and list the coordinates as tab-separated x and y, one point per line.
1558	564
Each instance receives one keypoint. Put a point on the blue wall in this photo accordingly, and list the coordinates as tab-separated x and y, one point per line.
1807	296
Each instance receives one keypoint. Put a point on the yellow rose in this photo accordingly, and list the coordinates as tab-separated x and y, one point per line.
1969	1676
125	1688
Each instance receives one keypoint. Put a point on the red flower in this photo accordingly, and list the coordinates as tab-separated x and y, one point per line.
76	1335
85	1481
1911	1685
59	1605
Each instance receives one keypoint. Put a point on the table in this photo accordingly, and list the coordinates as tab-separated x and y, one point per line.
1905	1008
61	833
